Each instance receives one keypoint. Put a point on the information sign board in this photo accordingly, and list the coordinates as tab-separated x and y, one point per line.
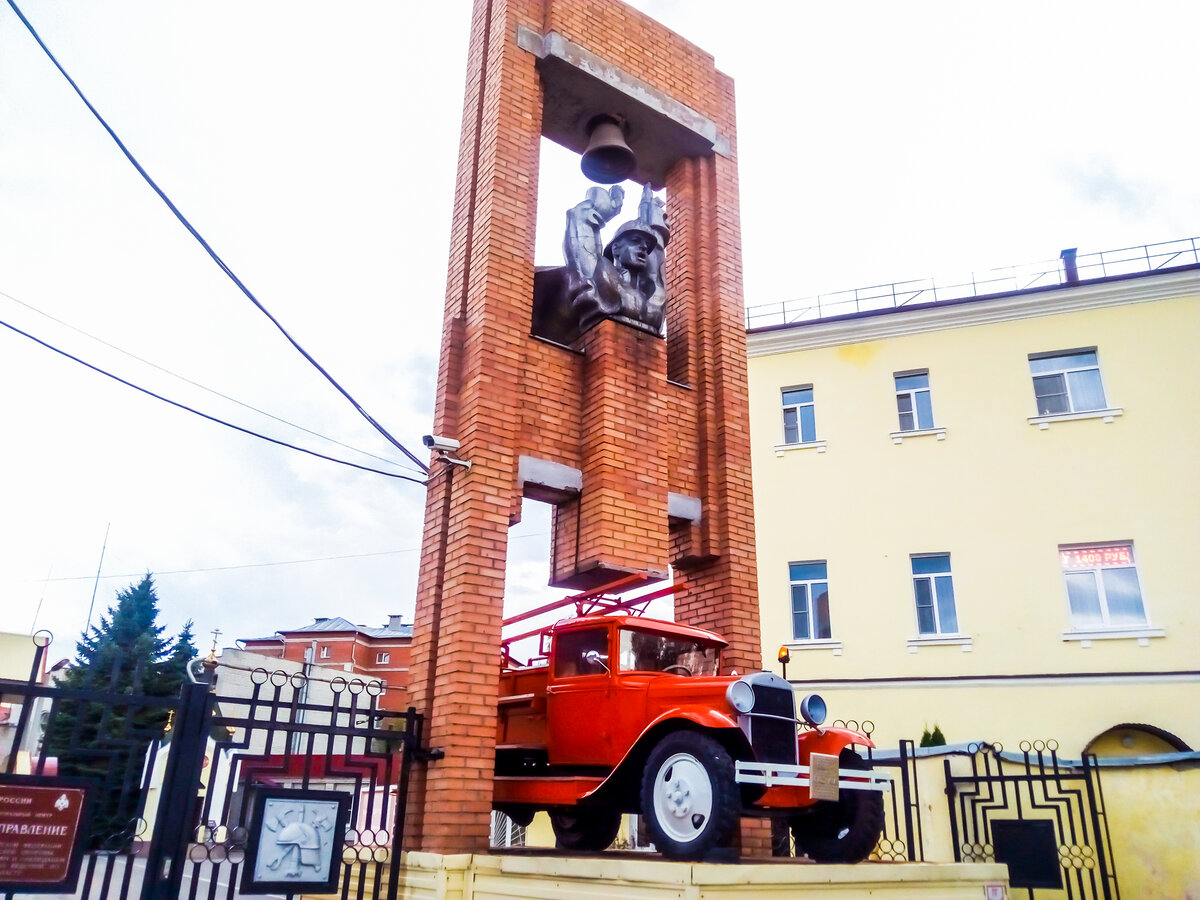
42	824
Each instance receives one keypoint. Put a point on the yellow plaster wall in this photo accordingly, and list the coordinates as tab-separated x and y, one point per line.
1155	826
16	656
999	495
1070	714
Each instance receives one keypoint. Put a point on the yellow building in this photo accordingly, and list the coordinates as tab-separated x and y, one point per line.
978	512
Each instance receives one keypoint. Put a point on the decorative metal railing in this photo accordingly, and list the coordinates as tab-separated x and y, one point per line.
177	787
1069	267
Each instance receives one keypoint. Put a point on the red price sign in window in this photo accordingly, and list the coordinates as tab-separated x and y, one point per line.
1091	557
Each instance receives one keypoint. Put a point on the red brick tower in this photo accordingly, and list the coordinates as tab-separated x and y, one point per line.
641	443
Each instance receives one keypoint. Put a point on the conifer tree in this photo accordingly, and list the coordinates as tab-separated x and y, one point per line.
104	737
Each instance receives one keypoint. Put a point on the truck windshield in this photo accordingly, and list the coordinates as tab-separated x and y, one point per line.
644	651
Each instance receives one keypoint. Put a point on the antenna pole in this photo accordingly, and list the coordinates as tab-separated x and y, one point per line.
96	583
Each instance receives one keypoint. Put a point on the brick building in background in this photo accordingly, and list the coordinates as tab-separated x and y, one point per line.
358	650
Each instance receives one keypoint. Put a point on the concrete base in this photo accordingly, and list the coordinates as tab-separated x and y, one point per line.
432	876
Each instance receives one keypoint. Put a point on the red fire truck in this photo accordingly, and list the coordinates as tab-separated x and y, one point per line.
619	713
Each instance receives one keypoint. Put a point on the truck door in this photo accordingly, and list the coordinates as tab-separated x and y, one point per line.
578	698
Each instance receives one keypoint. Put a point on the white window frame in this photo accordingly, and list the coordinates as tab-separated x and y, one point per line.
914	407
813	621
939	633
1106	628
325	651
382	657
1064	372
796	408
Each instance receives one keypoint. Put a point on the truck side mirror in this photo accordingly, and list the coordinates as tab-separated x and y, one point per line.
596	658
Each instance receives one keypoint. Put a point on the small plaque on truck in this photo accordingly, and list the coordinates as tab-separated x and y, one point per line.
823	775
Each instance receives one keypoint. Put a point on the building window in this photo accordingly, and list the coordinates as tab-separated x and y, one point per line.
325	652
799	418
1066	382
912	401
810	601
1102	586
383	657
933	589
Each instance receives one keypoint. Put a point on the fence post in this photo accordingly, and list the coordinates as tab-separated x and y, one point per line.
181	781
1091	771
950	793
26	706
907	756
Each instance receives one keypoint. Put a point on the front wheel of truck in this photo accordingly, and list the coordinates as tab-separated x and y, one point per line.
842	832
689	796
584	828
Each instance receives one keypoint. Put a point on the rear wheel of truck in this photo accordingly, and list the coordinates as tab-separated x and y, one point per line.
584	828
689	796
842	832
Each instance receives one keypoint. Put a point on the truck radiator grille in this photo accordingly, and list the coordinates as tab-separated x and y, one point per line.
773	739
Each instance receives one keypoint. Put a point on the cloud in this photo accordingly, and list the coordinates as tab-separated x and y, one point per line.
1096	180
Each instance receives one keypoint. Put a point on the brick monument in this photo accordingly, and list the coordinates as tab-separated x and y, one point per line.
640	442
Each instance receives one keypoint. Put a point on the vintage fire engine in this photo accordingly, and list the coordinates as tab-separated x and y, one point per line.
619	713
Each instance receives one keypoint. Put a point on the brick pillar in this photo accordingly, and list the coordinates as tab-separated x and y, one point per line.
708	352
460	591
619	525
640	418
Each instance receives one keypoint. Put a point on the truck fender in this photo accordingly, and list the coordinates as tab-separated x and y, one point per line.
705	718
829	740
630	766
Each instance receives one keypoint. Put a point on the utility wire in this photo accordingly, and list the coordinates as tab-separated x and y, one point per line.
209	250
264	565
197	384
261	565
206	415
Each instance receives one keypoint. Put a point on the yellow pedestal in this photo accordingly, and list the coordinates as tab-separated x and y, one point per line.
432	876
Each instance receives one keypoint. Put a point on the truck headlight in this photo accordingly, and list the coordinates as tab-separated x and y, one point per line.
813	709
740	696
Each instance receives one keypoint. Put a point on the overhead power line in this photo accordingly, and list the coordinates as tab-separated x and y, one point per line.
263	565
202	387
203	415
260	565
208	249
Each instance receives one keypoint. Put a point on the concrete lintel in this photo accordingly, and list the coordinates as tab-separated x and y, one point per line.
548	481
681	506
578	84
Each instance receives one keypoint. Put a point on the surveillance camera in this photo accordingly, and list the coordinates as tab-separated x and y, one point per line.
439	443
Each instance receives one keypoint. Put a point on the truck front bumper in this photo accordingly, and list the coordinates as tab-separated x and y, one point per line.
822	780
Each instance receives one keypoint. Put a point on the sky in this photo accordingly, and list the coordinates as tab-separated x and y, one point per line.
314	148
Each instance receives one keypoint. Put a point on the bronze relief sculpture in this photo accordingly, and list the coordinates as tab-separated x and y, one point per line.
623	281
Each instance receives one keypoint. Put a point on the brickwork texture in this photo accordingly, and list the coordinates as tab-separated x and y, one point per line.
639	416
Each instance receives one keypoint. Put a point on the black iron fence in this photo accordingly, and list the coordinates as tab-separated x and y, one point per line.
285	786
1045	820
1043	817
902	839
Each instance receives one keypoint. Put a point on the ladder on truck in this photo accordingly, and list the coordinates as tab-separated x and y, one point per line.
606	600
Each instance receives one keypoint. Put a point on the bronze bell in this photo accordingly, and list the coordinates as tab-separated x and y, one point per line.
608	159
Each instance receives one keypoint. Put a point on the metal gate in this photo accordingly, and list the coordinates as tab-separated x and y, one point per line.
242	788
1044	819
903	839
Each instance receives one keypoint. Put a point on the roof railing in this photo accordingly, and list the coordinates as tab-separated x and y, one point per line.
1068	268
